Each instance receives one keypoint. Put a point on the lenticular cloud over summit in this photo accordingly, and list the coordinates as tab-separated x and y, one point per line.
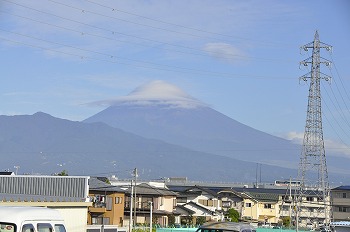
155	93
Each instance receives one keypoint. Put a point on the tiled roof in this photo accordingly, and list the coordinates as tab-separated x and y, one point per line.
264	197
97	185
185	209
194	204
146	189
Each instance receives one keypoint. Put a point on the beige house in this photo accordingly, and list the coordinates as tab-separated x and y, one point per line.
263	207
107	204
162	201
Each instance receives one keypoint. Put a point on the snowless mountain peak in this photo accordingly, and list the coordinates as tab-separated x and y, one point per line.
157	92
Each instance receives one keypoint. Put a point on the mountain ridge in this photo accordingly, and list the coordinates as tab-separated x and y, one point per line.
48	144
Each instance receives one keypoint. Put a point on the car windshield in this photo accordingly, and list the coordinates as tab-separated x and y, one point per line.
7	227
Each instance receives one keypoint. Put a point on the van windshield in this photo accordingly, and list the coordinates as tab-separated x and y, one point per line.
7	227
44	227
60	228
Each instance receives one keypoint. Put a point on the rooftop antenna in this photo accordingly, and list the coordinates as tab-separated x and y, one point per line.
313	194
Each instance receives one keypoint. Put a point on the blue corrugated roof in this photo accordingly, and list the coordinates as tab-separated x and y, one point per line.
343	187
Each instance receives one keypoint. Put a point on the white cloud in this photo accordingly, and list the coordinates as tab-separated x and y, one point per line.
224	51
335	148
154	93
295	137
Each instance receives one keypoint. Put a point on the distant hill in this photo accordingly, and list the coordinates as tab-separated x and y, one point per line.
44	144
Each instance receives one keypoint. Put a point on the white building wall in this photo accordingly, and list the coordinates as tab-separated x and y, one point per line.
75	218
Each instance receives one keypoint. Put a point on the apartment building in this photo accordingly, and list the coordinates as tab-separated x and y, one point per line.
341	203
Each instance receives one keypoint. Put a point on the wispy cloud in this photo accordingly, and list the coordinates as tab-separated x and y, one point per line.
154	93
225	51
336	148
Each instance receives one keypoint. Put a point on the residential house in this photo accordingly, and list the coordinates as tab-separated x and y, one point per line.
341	203
231	199
264	206
108	203
198	201
162	201
67	194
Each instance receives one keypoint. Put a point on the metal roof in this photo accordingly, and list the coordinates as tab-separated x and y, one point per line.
44	188
343	187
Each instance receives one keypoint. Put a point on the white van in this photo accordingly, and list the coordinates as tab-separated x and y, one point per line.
30	219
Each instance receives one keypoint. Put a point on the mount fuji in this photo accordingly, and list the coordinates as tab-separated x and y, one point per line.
162	111
159	129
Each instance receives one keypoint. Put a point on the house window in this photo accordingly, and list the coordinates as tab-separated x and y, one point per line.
145	203
248	204
309	198
127	202
344	195
267	206
181	199
118	200
206	202
226	204
109	203
342	209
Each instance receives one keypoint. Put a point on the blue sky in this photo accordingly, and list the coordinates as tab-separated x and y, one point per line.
240	57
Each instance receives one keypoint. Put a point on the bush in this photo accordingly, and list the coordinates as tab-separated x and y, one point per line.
233	215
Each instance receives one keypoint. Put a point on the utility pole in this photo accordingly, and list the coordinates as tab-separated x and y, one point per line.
131	206
150	216
135	199
313	194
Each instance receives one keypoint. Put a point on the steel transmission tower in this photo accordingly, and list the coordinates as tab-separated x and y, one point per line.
313	195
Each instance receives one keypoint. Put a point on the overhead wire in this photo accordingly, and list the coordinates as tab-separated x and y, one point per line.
334	101
342	84
179	25
113	32
167	67
141	44
336	121
142	24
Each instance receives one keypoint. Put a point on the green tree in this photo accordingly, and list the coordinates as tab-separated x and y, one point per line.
187	220
63	173
233	215
200	220
286	221
171	219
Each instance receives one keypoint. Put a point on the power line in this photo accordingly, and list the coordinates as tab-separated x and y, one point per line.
234	56
337	106
335	120
179	25
166	67
342	84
